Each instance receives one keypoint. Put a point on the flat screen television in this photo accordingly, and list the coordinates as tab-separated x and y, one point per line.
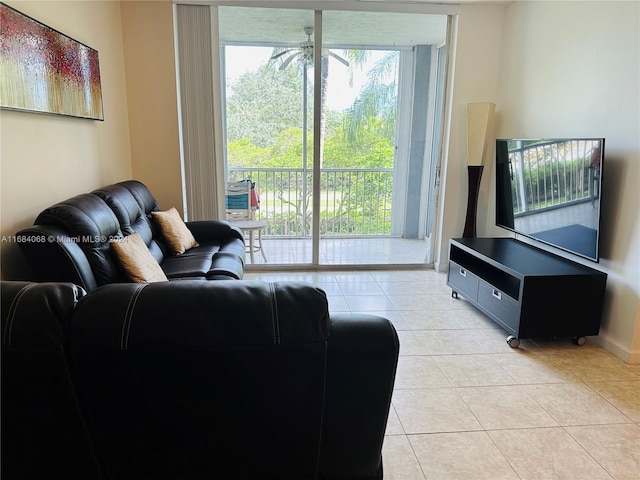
549	190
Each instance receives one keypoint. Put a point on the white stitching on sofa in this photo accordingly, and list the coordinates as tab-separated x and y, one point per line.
274	314
324	403
12	313
128	316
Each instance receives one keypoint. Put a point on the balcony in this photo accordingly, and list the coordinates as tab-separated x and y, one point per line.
353	202
355	216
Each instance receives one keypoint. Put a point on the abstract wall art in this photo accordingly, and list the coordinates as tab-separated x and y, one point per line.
45	71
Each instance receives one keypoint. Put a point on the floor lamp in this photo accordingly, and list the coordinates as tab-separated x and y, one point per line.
479	132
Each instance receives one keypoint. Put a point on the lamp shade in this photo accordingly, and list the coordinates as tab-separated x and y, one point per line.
480	121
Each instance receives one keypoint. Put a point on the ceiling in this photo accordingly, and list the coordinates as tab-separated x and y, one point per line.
242	25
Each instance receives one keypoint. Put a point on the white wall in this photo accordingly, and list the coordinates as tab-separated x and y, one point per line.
476	68
566	69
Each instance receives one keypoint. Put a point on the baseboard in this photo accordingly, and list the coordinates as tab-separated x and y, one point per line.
623	352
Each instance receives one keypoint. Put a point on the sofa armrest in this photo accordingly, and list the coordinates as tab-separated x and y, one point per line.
44	434
54	256
213	230
361	365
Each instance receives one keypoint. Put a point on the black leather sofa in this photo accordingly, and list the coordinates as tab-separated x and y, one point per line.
191	380
69	241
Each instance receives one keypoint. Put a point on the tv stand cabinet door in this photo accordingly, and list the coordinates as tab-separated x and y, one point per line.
504	309
463	281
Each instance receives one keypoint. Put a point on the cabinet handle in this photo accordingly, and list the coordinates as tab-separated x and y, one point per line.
463	272
496	294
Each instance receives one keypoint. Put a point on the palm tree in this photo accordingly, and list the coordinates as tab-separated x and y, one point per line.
304	53
377	99
375	106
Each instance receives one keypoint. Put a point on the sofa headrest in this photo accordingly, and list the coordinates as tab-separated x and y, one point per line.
37	314
128	212
90	223
124	205
200	314
86	216
142	195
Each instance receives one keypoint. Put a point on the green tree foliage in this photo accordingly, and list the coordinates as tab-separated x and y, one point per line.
244	153
377	100
371	151
263	103
264	121
264	130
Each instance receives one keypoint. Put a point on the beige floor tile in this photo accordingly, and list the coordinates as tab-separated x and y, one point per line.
417	276
368	303
360	288
607	370
575	404
459	319
475	320
426	302
459	456
419	371
398	460
433	410
406	288
337	303
355	276
532	369
433	320
615	447
439	289
592	363
569	355
394	427
505	407
449	342
394	316
625	396
495	341
410	344
473	370
547	454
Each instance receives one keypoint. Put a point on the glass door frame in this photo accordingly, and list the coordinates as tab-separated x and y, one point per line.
320	7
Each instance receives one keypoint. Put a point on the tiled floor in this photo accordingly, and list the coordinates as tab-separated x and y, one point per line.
467	406
344	251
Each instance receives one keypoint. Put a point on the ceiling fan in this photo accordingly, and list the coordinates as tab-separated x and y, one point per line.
304	52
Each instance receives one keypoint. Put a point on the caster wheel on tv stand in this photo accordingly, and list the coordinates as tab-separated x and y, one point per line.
579	340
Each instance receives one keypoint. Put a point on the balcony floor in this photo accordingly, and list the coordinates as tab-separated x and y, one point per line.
343	251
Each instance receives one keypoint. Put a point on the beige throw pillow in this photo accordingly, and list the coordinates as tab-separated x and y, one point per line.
178	237
136	259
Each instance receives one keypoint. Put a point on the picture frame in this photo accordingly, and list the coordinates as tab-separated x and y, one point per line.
45	71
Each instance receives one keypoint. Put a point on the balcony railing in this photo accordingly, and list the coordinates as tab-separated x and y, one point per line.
553	174
353	202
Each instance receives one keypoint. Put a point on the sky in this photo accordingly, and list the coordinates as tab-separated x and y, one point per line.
340	95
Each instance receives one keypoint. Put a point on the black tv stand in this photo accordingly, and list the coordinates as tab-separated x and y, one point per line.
530	292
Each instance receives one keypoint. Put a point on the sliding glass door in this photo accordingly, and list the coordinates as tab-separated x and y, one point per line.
349	181
268	84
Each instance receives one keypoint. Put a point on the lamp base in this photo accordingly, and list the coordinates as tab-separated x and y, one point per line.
475	176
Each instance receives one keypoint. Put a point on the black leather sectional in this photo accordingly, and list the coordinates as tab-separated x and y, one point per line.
69	241
191	380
